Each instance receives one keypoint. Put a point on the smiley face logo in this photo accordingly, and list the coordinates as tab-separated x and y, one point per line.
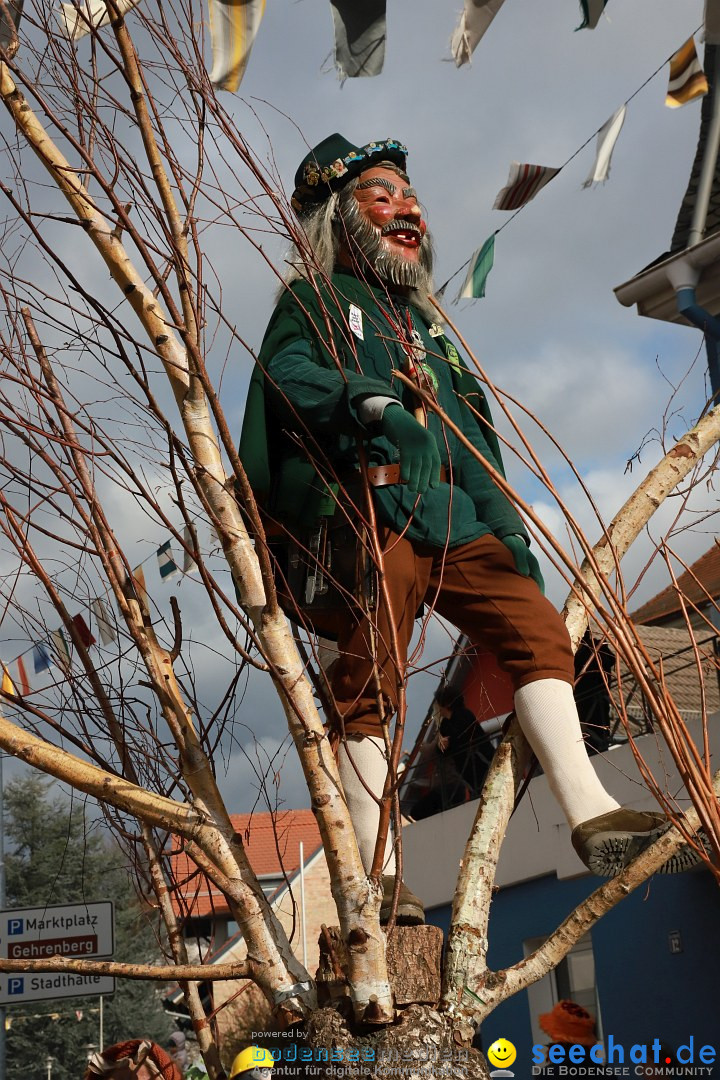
502	1053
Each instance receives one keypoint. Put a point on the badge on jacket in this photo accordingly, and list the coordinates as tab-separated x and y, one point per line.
355	320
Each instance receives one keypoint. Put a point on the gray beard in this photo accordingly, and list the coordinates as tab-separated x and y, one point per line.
366	244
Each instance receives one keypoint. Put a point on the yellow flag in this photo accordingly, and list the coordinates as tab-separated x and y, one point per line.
687	78
8	686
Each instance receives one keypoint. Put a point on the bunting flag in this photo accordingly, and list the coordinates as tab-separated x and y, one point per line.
42	659
233	27
141	592
359	37
78	19
687	78
83	630
105	627
524	182
607	137
8	686
592	10
22	677
166	563
10	13
480	266
189	563
62	649
474	21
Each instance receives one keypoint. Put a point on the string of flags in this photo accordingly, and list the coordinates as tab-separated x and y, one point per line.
360	31
56	651
687	82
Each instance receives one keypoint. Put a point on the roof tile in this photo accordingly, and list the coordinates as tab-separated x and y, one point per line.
272	842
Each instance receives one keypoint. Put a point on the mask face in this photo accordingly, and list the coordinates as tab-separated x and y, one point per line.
383	226
388	203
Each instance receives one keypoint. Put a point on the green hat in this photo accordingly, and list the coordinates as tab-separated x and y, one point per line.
335	161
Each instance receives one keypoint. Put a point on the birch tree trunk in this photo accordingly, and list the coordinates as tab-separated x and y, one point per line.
357	898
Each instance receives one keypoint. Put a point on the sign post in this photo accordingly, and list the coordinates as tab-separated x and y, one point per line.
73	931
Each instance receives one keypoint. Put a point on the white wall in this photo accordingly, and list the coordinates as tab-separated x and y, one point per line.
538	839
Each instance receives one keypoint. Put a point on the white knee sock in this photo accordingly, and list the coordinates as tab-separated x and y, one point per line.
368	759
549	720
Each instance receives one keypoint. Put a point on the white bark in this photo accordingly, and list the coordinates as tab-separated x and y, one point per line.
357	899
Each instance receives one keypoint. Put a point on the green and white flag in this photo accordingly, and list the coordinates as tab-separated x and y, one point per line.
592	10
480	266
166	563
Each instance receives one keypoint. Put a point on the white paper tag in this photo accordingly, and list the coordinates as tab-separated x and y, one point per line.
356	322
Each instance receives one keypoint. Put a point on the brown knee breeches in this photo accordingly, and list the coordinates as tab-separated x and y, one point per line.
475	587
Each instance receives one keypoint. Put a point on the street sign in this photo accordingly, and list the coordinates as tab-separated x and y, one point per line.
73	931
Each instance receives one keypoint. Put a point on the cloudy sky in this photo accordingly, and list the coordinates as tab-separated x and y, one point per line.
550	331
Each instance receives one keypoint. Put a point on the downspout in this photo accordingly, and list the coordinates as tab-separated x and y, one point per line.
684	277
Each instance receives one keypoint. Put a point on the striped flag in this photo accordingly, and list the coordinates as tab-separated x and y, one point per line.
62	649
359	37
687	78
8	686
480	266
78	19
607	137
474	21
22	677
166	563
233	27
42	659
524	182
592	10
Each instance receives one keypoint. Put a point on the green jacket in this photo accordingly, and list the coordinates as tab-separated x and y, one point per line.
302	413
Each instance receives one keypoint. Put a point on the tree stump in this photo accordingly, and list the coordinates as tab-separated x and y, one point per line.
414	955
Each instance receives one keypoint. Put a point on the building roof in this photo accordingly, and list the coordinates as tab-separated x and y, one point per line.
701	581
272	842
676	647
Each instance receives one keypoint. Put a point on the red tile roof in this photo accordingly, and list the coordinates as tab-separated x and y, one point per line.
695	584
272	842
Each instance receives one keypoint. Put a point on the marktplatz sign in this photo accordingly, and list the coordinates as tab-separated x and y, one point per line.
72	931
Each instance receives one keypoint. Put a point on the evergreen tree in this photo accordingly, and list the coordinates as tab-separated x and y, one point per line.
55	854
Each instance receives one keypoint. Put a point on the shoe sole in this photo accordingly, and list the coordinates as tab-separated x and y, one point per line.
608	854
406	916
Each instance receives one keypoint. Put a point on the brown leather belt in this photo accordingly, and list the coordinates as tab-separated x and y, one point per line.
383	475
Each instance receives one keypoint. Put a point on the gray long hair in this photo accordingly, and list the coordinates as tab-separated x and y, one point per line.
324	228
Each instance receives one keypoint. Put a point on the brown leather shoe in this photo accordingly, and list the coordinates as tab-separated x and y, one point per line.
609	843
410	911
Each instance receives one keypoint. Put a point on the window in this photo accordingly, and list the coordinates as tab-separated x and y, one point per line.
573	979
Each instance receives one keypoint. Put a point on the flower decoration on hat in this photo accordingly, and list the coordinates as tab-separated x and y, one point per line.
335	161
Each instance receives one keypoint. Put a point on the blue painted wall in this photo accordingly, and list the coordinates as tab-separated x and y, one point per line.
645	991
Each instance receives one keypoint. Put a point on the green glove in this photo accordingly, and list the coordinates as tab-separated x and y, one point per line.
525	562
419	455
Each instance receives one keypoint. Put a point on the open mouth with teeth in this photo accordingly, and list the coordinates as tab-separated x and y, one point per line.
403	233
